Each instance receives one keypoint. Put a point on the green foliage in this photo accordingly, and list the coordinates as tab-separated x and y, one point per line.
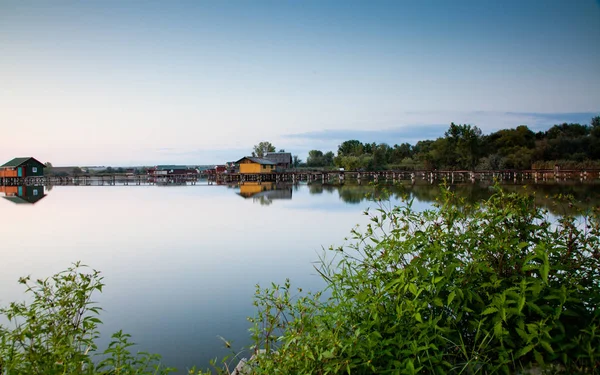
494	287
262	149
55	333
464	147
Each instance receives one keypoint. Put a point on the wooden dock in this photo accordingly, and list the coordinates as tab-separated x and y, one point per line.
427	175
311	176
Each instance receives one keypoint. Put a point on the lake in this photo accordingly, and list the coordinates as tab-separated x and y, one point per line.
181	263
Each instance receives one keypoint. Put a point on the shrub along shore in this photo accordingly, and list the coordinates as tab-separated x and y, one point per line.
492	287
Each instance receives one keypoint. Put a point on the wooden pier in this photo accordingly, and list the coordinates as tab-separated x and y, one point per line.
427	175
311	176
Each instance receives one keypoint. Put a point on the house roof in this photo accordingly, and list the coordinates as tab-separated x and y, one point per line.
16	162
280	157
24	200
169	167
261	161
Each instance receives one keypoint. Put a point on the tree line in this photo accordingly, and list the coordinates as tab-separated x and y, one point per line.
465	147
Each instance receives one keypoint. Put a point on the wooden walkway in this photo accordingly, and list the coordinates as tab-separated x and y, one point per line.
309	176
427	175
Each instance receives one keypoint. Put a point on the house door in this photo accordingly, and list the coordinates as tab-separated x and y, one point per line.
20	190
20	172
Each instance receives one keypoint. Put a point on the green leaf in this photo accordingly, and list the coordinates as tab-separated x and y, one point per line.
489	310
524	350
418	318
547	346
412	288
451	297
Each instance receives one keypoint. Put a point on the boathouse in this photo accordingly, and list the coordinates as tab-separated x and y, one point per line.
283	160
252	165
22	167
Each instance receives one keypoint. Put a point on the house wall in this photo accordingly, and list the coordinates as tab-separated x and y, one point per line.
9	190
8	173
250	167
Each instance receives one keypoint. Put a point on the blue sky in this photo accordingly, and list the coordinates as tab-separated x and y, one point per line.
146	82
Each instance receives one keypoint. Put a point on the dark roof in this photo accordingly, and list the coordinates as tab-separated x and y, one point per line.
280	157
24	200
168	167
261	161
16	162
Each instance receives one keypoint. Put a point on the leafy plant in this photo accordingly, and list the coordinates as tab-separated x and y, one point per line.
55	332
494	287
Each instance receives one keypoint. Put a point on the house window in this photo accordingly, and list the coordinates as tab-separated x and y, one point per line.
34	169
35	192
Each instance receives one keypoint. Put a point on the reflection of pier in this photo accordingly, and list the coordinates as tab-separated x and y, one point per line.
427	175
310	176
101	180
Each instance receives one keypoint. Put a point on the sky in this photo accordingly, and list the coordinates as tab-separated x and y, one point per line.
118	82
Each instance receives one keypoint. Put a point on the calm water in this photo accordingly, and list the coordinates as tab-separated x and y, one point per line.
181	262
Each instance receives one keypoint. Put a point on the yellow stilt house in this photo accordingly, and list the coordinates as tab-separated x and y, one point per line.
252	165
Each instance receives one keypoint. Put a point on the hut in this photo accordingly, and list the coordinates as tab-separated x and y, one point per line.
283	160
252	165
22	167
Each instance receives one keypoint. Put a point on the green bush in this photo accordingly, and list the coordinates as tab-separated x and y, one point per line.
55	333
495	287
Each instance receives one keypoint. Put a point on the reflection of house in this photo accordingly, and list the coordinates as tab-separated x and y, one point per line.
282	159
250	164
23	194
22	167
266	190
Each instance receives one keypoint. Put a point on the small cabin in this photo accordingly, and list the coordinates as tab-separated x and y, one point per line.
22	167
252	165
283	160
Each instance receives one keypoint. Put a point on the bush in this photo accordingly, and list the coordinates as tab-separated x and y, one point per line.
55	333
495	287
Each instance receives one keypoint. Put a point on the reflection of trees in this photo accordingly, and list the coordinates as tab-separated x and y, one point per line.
262	200
551	196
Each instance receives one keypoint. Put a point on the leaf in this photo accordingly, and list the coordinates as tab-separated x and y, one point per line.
547	346
538	357
412	288
524	350
418	318
489	310
451	297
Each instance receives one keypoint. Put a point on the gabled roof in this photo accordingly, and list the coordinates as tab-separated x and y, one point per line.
169	167
16	162
261	161
24	200
280	157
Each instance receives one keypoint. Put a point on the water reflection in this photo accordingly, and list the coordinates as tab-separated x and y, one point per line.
23	194
265	192
551	195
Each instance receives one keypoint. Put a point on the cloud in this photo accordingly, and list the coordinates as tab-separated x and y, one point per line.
433	124
410	134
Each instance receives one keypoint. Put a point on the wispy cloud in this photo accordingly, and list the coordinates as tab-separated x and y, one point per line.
433	124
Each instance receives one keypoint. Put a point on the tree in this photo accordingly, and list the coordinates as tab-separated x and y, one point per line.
48	169
315	158
76	171
296	161
261	149
350	148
